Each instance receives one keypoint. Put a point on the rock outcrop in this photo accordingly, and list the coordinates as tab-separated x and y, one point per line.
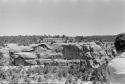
86	61
24	58
95	58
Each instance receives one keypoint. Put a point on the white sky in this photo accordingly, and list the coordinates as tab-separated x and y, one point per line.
70	17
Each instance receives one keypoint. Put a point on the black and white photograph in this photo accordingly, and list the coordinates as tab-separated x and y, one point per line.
62	41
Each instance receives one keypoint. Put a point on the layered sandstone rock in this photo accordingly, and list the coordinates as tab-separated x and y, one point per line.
92	57
95	57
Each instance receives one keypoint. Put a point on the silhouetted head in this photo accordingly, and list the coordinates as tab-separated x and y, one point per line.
120	42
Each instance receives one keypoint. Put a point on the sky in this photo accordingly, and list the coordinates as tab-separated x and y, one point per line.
58	17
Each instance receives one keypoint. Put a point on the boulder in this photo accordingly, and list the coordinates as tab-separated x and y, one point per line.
31	62
72	51
94	47
43	45
22	57
26	55
16	48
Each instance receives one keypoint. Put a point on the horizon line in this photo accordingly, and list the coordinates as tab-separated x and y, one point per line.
60	35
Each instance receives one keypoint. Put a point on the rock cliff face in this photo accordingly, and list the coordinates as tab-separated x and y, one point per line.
72	51
86	50
94	59
91	65
96	53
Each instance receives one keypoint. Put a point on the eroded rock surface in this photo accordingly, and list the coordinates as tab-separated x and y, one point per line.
85	61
